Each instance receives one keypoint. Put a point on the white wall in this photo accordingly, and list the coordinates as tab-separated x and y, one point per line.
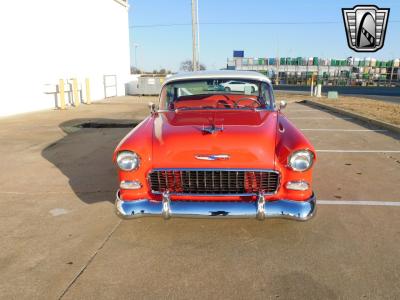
42	41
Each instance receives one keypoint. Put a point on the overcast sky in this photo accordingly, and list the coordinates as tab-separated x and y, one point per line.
318	30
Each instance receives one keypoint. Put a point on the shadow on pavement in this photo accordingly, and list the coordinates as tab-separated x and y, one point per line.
84	155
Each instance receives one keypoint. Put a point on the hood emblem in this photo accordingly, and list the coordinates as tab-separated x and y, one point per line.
212	129
212	157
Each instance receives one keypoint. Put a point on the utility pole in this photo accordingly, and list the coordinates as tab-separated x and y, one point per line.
277	70
391	74
136	62
195	36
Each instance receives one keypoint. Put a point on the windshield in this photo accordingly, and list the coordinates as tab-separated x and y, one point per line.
216	94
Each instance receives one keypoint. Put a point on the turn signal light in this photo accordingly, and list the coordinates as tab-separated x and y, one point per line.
130	185
297	185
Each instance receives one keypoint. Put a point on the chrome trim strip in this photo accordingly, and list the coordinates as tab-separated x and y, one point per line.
287	209
212	157
215	169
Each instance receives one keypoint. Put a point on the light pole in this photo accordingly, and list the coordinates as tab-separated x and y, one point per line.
391	71
135	46
195	36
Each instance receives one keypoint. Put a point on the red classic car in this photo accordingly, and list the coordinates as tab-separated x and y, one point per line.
216	146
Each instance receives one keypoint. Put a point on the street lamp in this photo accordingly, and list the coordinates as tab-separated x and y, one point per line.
195	35
135	46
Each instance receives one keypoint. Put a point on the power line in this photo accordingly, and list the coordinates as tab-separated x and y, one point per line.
229	23
244	23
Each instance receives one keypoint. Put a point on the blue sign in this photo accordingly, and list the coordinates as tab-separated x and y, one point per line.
238	53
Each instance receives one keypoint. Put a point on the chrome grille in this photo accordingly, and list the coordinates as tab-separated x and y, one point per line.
213	181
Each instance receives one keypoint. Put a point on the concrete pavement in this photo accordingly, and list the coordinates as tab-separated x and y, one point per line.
60	236
388	94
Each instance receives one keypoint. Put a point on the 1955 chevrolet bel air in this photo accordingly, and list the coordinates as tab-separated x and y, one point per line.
216	146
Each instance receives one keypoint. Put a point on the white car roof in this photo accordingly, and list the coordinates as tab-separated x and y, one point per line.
228	74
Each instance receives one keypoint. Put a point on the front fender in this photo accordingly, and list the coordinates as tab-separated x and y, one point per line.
288	140
138	140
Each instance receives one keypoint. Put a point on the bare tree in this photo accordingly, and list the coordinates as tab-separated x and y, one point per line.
187	66
135	70
162	71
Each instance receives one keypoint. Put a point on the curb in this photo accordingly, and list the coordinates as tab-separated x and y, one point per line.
363	118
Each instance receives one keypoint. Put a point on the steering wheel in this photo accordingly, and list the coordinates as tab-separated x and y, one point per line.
247	98
226	104
226	97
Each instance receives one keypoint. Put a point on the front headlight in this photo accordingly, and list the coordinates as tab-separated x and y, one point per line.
301	160
128	161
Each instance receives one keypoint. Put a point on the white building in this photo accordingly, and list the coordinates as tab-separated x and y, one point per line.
43	41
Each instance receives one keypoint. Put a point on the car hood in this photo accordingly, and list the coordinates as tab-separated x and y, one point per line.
247	139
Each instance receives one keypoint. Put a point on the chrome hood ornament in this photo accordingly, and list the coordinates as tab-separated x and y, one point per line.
212	156
212	129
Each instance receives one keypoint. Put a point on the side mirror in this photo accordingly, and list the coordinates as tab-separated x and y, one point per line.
152	108
282	105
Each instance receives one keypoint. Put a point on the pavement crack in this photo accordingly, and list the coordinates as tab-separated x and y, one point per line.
82	270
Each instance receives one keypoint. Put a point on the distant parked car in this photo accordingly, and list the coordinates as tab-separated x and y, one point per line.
209	152
239	86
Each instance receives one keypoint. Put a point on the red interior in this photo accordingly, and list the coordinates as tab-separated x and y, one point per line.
216	101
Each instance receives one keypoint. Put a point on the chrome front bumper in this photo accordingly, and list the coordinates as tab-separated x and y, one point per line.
260	209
